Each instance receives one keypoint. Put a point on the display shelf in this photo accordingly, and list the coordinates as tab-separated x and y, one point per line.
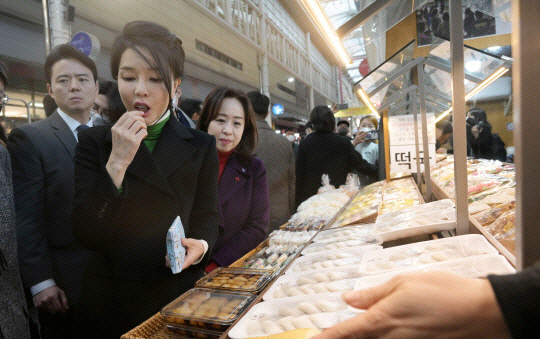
476	228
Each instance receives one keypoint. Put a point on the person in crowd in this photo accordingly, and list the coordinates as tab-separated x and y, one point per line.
444	30
325	152
278	158
482	24
468	23
435	20
424	37
108	107
479	134
309	128
49	105
13	311
443	133
290	135
132	180
192	108
51	261
365	141
500	307
243	189
343	127
181	115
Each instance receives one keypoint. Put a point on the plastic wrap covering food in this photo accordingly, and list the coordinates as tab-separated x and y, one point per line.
325	187
426	223
331	259
352	185
495	213
320	207
343	232
311	224
213	310
277	316
236	279
364	207
280	237
342	245
427	252
272	257
504	228
337	279
416	211
477	207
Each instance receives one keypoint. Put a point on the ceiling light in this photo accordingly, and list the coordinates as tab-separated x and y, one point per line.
367	102
473	66
290	79
323	23
488	81
494	49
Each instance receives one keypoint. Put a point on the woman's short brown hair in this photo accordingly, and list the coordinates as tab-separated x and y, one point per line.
212	105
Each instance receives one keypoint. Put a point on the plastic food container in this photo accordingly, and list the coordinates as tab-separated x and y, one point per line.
426	252
174	332
439	220
338	279
236	279
472	267
331	259
343	245
412	212
276	316
213	310
350	231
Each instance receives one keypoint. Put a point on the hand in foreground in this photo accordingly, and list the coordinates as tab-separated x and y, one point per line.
476	132
194	249
52	300
359	138
441	151
127	134
424	305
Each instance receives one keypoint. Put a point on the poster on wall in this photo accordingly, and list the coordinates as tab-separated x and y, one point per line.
433	19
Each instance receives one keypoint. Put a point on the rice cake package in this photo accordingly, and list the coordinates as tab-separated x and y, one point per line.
175	250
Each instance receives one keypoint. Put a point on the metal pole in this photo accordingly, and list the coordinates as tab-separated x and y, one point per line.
458	104
46	27
265	79
416	141
525	18
427	169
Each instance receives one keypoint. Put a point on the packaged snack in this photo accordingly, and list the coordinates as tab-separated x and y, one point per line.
326	187
504	227
238	279
175	251
496	212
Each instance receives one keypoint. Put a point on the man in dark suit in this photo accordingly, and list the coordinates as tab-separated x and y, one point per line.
51	262
278	157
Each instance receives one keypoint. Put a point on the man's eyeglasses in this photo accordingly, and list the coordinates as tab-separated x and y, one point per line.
3	100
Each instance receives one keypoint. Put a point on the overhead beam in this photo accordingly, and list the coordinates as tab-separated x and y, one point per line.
360	18
396	75
447	69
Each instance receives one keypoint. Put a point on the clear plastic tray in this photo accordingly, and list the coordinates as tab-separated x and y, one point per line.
472	267
413	212
439	220
213	310
313	282
177	332
276	316
236	279
330	259
349	231
343	245
426	252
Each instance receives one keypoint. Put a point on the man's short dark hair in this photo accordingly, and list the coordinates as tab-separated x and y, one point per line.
191	106
322	119
4	75
49	105
309	125
260	103
67	51
290	129
341	122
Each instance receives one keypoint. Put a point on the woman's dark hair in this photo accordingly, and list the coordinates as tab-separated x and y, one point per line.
4	75
190	107
322	119
479	114
164	47
67	51
445	126
110	90
212	106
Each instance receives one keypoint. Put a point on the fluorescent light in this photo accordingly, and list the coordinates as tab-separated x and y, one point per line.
367	102
494	49
488	81
323	23
473	66
290	79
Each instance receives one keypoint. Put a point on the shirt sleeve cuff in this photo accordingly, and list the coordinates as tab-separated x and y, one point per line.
205	245
42	286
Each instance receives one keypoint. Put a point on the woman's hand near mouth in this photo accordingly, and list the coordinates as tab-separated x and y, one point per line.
127	135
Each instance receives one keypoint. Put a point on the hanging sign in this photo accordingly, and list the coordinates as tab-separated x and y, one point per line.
278	109
86	43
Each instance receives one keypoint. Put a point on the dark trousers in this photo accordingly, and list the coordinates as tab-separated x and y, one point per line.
58	326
